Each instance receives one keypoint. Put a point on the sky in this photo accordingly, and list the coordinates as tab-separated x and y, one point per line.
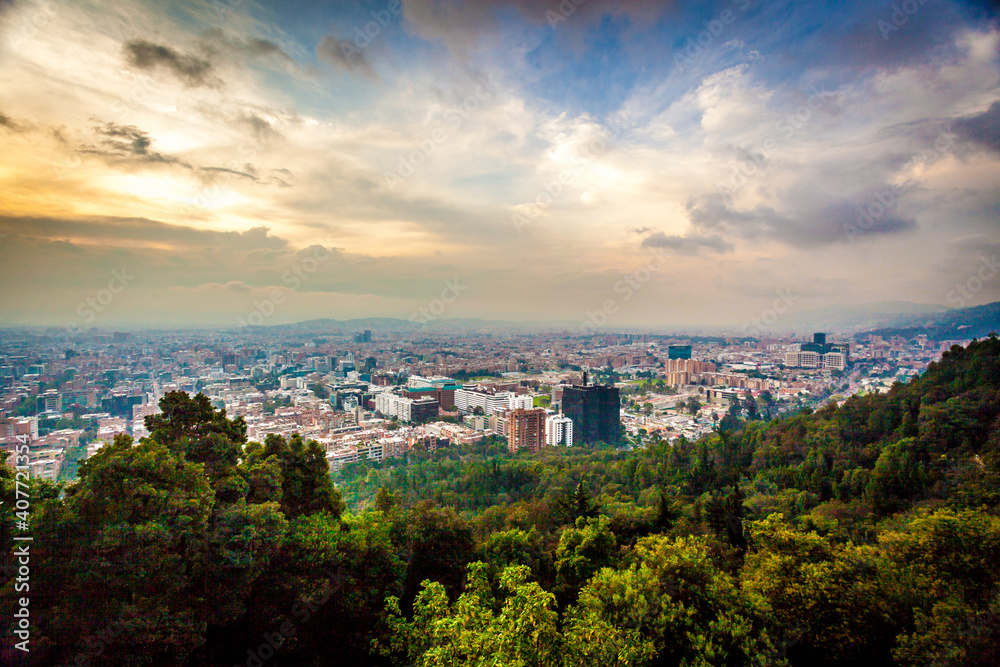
614	164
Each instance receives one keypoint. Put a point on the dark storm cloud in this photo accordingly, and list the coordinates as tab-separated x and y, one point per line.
691	244
983	129
839	222
192	71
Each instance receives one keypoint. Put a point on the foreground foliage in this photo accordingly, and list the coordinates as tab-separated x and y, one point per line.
865	533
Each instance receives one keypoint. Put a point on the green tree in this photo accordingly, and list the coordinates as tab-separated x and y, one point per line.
827	601
672	606
583	550
948	563
306	486
576	504
518	628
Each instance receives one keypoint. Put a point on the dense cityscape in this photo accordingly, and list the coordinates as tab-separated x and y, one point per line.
371	396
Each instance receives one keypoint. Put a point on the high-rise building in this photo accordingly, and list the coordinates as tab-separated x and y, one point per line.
558	431
804	359
679	352
526	429
595	411
819	339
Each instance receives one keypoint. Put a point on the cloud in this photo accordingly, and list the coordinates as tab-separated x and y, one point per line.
108	230
192	71
216	41
248	174
128	142
690	244
809	226
343	54
982	129
260	128
283	178
11	124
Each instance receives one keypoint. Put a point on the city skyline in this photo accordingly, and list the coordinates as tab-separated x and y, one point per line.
636	164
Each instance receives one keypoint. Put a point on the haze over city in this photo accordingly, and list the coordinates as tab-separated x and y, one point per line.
195	163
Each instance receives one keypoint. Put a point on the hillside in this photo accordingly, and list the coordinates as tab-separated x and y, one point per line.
958	324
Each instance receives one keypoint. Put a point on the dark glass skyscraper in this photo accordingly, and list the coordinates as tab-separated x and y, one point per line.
679	352
594	411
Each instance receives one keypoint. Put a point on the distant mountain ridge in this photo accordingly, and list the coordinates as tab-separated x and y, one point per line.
855	317
957	324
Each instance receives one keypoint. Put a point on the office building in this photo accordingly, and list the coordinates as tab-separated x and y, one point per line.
835	360
467	400
595	411
679	352
405	409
